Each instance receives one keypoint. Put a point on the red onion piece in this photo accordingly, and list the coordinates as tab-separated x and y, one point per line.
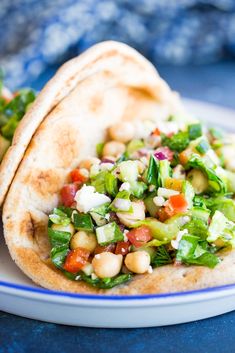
164	152
107	160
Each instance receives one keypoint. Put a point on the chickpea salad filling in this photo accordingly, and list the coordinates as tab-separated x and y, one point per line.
157	194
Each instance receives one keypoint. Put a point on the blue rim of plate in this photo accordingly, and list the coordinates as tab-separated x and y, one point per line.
115	297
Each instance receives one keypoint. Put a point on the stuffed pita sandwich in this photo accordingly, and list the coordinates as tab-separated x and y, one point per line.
114	190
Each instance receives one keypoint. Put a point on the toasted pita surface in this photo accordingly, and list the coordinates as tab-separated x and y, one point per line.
109	83
111	59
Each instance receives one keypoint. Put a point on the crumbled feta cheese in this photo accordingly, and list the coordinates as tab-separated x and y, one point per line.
159	200
87	198
150	269
122	205
107	216
179	172
184	220
151	188
125	186
106	166
175	243
126	231
166	192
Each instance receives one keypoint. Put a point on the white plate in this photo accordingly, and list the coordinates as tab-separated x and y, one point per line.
18	295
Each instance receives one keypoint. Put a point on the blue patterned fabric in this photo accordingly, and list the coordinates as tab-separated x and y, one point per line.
36	34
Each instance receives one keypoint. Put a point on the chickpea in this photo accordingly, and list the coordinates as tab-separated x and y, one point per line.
107	264
87	163
113	148
138	262
84	240
198	180
138	214
69	228
122	132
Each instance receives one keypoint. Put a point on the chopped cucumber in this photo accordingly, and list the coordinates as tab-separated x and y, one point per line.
221	228
122	202
128	171
150	205
83	221
188	192
164	172
109	233
99	214
200	213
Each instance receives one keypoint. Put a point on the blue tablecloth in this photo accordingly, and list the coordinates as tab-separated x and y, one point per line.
214	83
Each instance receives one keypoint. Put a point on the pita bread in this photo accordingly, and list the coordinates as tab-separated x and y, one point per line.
107	57
109	83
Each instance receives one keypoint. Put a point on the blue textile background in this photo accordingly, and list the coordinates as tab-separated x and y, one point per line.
36	34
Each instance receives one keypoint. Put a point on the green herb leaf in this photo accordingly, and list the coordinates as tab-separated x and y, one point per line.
192	251
216	184
58	255
83	221
105	283
111	184
58	238
59	217
197	227
194	131
152	172
178	142
162	257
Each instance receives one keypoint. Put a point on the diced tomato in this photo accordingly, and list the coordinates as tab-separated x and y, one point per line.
164	213
122	248
177	203
156	132
68	193
139	236
107	248
77	175
76	259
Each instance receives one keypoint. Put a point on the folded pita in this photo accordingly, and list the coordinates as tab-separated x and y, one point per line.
109	83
